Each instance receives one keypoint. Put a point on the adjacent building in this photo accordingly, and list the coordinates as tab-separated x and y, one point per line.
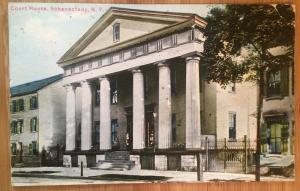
278	108
134	82
37	119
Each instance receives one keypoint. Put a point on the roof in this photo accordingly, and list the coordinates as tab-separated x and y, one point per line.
172	18
32	87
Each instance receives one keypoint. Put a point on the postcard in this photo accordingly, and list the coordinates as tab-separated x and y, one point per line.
127	93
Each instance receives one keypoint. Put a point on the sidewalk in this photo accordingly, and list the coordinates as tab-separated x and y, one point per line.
62	175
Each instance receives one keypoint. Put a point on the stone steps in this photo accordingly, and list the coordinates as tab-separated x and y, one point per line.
117	155
115	160
114	165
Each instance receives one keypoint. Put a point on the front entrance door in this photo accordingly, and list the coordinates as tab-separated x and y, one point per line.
149	127
149	130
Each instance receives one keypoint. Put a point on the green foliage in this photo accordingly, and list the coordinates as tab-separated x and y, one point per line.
238	39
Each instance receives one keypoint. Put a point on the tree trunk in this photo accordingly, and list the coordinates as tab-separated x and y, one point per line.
260	82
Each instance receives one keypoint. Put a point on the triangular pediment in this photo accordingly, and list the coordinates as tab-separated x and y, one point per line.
133	23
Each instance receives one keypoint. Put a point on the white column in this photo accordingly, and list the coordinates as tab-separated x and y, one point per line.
70	118
193	124
164	107
138	110
86	116
105	120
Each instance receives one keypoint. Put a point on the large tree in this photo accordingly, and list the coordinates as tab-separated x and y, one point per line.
238	43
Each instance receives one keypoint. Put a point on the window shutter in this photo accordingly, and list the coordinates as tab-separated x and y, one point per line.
18	127
30	103
30	149
284	81
36	125
31	125
12	127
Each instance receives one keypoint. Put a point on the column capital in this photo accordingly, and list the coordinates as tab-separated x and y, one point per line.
194	57
136	70
102	78
162	63
70	86
85	82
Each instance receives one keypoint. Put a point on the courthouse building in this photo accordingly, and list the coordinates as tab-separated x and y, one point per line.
135	86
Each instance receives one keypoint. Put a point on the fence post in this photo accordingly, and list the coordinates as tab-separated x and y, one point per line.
81	169
206	152
199	167
246	154
225	155
57	154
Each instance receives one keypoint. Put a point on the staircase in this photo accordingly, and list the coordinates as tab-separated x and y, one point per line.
115	160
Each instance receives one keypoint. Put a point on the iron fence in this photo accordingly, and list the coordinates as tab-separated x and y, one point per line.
225	155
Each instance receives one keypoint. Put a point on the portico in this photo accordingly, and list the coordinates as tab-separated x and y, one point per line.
139	75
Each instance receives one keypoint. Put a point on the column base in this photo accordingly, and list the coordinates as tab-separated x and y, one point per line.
188	163
137	161
83	159
161	162
67	161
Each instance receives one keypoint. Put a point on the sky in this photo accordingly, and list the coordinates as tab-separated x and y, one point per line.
40	33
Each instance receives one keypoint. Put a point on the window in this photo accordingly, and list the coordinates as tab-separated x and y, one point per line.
114	126
232	126
20	127
33	124
113	92
33	148
97	95
33	102
14	106
173	81
17	126
21	104
13	126
277	82
13	148
273	83
232	87
17	105
116	32
173	127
